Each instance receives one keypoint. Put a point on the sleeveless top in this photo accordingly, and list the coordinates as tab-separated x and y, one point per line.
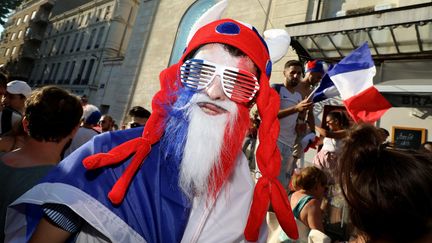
300	205
302	228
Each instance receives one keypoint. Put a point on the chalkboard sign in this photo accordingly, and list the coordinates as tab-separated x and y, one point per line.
408	137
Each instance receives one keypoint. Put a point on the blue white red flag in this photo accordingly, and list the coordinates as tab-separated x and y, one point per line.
325	90
353	78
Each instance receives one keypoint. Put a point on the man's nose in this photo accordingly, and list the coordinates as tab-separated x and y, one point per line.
214	90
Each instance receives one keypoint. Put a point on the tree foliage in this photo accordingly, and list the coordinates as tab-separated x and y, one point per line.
6	6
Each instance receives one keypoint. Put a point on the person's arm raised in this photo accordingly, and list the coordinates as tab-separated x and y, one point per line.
301	106
331	134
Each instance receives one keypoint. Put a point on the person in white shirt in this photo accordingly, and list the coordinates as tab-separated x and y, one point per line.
291	103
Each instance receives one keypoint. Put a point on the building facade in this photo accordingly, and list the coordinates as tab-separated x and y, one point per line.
114	50
22	37
80	38
398	33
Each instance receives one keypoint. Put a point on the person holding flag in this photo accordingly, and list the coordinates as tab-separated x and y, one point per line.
314	71
291	104
352	79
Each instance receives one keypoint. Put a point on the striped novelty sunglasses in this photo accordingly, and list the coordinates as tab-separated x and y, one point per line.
239	85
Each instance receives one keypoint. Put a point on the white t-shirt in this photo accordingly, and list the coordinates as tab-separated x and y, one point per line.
331	144
287	134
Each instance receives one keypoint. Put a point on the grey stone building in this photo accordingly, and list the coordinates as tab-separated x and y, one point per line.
22	37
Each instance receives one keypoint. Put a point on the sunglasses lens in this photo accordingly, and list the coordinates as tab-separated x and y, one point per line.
239	85
135	124
196	75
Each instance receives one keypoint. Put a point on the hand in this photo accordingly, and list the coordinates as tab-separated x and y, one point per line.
303	105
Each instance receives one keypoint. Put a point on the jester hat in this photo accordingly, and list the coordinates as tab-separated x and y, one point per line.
268	189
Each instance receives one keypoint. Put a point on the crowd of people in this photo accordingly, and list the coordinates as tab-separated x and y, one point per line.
179	175
41	127
360	182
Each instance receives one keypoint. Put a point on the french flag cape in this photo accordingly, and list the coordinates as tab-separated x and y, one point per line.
153	210
353	78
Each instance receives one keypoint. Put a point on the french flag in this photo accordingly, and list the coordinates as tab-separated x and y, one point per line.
353	78
325	90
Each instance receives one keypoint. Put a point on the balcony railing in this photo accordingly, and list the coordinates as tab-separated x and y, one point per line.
34	36
28	52
41	17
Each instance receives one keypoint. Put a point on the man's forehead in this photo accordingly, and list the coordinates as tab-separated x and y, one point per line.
217	53
294	68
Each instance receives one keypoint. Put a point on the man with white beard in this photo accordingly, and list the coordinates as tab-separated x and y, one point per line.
187	180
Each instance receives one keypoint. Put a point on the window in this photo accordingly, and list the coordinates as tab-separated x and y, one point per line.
99	37
194	12
72	24
25	18
44	71
53	48
60	45
33	15
80	42
51	74
89	71
43	48
7	52
54	78
71	72
80	20
81	70
65	45
13	36
27	31
88	18
18	21
107	12
99	15
90	41
49	29
73	42
13	50
66	26
63	75
20	34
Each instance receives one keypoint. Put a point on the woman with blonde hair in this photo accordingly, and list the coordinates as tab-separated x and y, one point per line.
310	185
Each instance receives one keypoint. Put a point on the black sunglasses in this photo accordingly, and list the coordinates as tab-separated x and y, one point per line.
135	124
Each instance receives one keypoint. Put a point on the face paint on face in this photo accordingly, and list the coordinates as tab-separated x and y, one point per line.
200	144
206	129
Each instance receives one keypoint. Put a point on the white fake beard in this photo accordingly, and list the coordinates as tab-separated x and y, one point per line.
204	141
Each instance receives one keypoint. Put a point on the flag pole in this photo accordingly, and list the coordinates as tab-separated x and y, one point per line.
312	93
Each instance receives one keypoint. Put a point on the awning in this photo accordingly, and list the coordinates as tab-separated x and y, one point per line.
415	93
399	33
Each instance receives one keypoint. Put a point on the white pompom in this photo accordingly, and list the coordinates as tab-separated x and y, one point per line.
278	41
